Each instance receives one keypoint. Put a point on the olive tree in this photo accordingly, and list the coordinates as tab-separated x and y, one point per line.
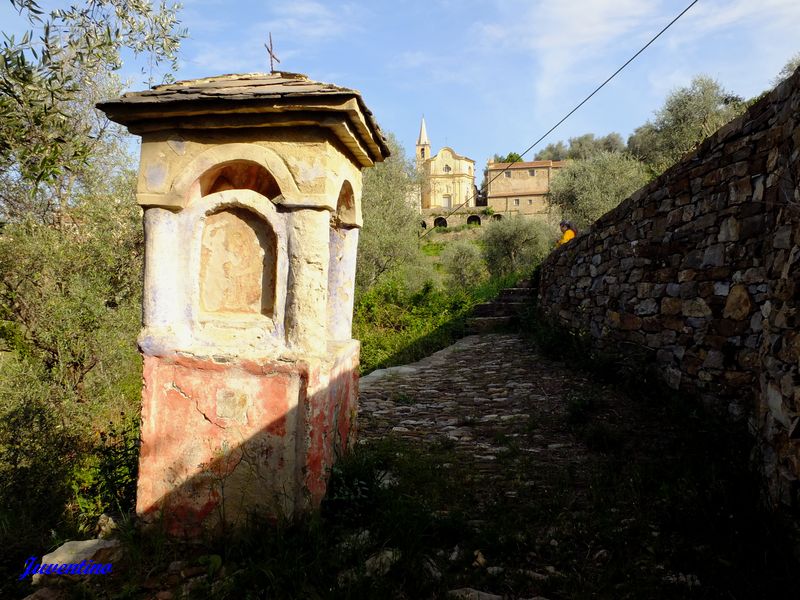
463	263
788	69
70	255
50	78
516	245
582	146
689	115
586	189
389	239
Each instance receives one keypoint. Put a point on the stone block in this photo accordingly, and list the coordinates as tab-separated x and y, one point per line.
672	377
719	273
752	227
757	322
738	304
740	190
695	307
705	289
730	327
754	275
667	275
674	324
651	325
671	306
737	379
693	260
789	351
748	359
782	237
629	322
80	552
721	288
729	230
758	187
688	289
776	405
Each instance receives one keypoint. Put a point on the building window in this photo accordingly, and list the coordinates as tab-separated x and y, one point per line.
507	173
530	201
422	152
447	169
516	201
532	172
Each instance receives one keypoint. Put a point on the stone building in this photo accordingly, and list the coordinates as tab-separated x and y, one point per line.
448	178
520	188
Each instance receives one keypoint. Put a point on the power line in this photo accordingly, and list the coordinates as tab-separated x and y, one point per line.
570	113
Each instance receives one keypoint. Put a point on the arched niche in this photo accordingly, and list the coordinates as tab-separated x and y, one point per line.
242	166
345	207
238	264
343	244
440	222
474	220
239	175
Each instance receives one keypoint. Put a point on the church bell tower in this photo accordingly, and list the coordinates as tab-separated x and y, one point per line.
423	145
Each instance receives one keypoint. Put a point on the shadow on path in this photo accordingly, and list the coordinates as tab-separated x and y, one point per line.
568	489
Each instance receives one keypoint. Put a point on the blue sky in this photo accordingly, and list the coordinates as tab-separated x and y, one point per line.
491	76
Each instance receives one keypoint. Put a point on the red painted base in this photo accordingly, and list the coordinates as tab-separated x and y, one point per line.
224	439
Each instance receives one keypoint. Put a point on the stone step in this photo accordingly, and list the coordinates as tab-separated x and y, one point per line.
516	294
499	309
477	325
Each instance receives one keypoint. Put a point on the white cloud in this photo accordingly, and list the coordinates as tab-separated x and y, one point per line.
557	46
432	67
215	59
309	21
714	15
563	40
296	27
415	59
742	43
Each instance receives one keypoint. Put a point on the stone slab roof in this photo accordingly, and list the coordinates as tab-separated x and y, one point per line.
253	100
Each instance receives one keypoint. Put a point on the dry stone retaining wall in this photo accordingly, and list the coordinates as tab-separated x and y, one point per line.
703	267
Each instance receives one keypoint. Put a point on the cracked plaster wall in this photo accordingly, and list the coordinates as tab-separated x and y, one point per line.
247	398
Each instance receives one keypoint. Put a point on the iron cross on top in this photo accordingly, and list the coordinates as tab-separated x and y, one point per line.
272	58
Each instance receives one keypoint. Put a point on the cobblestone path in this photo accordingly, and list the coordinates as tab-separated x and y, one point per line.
482	395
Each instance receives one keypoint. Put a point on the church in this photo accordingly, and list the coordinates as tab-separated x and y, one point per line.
448	178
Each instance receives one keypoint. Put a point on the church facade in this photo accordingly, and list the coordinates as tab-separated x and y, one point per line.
448	177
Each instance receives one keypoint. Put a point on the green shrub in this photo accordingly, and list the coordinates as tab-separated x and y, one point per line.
37	450
390	236
433	248
584	190
463	263
396	325
516	245
70	297
105	481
